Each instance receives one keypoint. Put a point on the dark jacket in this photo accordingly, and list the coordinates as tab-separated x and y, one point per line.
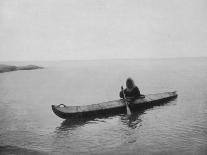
134	94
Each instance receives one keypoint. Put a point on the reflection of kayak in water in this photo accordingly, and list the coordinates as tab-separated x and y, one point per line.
116	106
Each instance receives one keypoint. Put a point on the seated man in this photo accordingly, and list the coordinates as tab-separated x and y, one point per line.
131	92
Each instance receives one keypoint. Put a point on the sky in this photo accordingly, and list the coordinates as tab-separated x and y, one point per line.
102	29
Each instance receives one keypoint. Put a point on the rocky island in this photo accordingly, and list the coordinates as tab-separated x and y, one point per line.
8	68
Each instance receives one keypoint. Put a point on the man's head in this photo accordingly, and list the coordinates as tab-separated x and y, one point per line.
129	83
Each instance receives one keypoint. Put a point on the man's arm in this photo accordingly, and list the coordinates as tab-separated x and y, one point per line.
121	94
136	92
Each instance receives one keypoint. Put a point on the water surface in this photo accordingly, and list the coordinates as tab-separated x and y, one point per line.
28	125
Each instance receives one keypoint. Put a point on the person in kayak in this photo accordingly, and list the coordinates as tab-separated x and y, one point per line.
131	92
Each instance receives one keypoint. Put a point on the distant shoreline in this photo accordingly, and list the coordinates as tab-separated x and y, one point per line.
8	68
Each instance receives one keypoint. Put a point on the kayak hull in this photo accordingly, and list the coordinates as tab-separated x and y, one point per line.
112	107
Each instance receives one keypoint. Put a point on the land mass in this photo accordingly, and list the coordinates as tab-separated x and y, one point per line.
8	68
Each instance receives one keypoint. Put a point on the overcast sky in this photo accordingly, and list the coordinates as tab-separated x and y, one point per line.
96	29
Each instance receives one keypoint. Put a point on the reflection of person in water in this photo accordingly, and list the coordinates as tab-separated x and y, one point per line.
131	92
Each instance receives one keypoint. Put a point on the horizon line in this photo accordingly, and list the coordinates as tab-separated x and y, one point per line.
102	59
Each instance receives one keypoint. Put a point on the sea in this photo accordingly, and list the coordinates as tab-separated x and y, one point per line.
29	126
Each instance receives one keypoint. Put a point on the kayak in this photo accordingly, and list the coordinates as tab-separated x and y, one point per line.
112	107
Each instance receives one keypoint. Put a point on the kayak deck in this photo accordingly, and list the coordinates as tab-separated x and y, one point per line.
116	106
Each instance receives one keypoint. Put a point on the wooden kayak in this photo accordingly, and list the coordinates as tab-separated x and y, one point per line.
116	106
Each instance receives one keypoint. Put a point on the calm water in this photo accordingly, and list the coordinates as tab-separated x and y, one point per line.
28	125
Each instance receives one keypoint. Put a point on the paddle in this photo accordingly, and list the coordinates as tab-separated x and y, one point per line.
126	103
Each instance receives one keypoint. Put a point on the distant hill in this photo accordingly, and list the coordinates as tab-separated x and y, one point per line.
7	68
